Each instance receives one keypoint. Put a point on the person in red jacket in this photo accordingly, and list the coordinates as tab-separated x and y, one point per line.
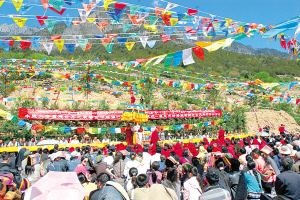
154	137
282	129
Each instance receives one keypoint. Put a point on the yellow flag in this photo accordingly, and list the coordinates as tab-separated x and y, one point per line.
1	2
60	44
20	21
173	21
150	27
129	45
106	3
228	21
91	19
17	38
215	45
18	4
203	44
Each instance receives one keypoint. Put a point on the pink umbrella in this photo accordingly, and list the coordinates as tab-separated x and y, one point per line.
56	185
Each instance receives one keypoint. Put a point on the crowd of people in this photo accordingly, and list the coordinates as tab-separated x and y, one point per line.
220	169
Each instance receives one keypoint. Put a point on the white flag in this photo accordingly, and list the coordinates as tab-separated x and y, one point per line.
76	38
187	57
143	40
297	31
170	6
227	42
83	14
48	46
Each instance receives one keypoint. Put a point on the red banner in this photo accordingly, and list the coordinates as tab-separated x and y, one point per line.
40	114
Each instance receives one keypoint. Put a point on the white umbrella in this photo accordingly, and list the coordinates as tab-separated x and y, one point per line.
263	134
48	142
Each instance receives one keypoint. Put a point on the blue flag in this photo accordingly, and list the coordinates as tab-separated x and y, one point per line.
177	58
70	47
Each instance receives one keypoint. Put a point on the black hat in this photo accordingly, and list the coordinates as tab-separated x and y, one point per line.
212	175
142	180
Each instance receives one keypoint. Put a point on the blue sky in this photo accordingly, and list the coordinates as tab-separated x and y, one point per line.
268	12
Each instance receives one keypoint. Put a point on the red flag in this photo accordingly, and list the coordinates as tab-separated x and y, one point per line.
102	24
41	19
166	18
55	37
141	60
80	130
192	12
188	28
120	5
112	35
88	46
59	12
199	52
297	101
25	44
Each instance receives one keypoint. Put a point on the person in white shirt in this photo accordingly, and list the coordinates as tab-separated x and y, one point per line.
248	149
191	136
13	143
156	157
63	141
145	164
75	141
105	140
131	163
109	159
136	128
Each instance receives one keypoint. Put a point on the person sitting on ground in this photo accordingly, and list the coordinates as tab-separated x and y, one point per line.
100	167
131	163
118	168
287	182
172	181
6	194
197	164
185	157
108	189
143	188
253	180
109	158
73	162
56	164
154	174
193	188
87	185
5	168
130	182
214	191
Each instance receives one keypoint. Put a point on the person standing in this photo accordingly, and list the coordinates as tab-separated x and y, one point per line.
282	129
128	132
154	137
141	100
221	135
132	100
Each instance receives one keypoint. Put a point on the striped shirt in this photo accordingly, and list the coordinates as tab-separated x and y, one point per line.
215	193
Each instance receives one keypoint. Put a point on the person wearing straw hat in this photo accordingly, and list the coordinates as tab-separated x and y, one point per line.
86	139
285	151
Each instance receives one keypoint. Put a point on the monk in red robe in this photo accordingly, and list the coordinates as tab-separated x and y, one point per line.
128	132
221	135
154	137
